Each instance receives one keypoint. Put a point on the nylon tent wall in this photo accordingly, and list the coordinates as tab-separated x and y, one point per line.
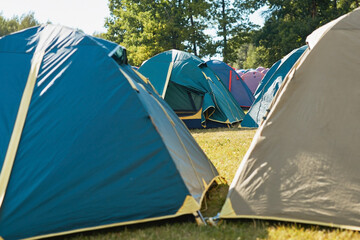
252	79
265	71
240	72
192	89
233	82
269	87
302	165
260	69
88	144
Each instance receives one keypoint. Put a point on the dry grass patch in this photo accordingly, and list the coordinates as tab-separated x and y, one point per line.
225	147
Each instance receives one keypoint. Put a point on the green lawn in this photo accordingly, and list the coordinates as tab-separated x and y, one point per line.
225	148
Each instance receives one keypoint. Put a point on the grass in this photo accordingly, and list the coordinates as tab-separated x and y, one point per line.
225	148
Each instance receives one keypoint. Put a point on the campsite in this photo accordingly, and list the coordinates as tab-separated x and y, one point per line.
181	120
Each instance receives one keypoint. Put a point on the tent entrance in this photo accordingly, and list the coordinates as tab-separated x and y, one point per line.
182	100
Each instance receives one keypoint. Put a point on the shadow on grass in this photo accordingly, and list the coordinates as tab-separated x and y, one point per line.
294	225
109	233
214	130
179	228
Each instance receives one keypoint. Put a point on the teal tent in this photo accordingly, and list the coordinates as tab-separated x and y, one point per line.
85	142
269	86
192	89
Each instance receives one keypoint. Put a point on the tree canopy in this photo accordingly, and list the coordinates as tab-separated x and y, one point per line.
287	25
149	27
209	27
16	23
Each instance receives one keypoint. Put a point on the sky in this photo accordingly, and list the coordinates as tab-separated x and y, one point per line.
257	18
87	15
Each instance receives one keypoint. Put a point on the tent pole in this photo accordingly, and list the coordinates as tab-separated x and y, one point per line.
199	218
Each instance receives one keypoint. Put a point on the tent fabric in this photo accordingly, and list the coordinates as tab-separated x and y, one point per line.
265	71
233	82
240	73
260	69
267	77
269	87
252	79
188	72
98	148
302	165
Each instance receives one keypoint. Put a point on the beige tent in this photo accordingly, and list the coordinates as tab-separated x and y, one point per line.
304	162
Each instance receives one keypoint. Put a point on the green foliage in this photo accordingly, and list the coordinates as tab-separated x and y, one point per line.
287	25
251	57
16	23
149	27
241	54
228	21
196	41
99	35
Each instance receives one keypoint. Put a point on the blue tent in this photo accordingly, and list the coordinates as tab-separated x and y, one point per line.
192	89
85	142
269	86
233	82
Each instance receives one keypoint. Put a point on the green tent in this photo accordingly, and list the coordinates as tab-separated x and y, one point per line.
192	89
85	142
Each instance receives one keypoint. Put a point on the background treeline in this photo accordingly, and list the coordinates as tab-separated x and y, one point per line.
210	27
16	23
148	27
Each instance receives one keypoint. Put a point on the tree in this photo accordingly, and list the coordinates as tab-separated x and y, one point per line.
226	19
288	23
16	23
197	13
149	27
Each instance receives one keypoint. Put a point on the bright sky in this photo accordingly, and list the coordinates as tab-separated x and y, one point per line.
256	16
87	15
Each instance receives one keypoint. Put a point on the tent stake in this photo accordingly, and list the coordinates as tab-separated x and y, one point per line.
199	218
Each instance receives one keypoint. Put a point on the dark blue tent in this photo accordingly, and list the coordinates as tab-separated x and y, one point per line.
233	82
85	142
269	86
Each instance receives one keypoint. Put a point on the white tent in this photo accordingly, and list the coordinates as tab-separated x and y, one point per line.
303	164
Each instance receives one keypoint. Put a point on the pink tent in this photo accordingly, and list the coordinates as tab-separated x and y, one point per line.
265	71
240	72
252	79
260	69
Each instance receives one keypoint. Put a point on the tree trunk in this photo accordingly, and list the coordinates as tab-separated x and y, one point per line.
175	34
313	9
193	37
224	33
